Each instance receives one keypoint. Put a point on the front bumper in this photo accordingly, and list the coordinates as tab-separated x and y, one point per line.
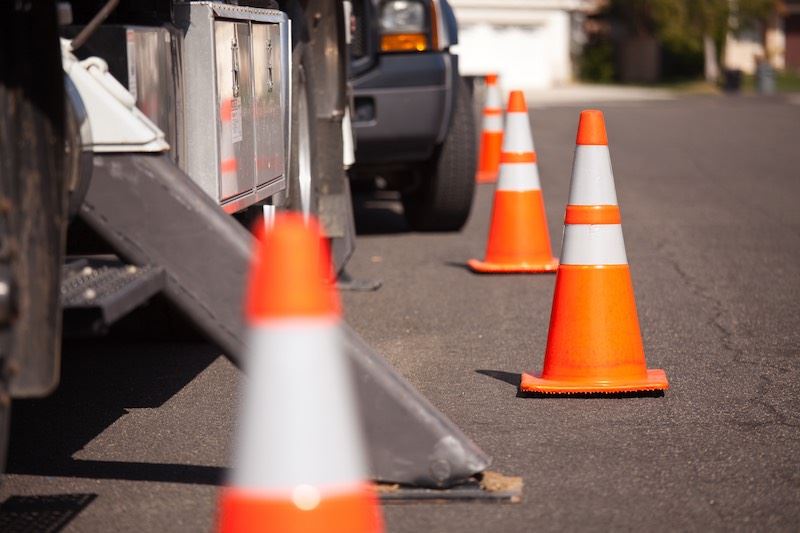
403	107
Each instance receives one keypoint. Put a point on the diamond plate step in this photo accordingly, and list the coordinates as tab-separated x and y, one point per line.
97	293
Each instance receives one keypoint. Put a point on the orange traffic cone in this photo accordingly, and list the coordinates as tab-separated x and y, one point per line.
299	463
594	343
518	237
491	133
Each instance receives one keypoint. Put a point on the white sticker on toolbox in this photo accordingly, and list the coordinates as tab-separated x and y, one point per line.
236	120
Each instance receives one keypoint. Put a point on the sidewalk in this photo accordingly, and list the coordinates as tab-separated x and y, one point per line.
592	93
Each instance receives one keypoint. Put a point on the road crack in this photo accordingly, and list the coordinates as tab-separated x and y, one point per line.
729	344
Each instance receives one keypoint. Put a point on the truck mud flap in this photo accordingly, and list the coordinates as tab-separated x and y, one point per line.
154	215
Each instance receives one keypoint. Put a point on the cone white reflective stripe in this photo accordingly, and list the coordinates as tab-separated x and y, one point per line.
494	100
592	177
491	137
493	122
519	177
493	110
593	244
293	432
518	137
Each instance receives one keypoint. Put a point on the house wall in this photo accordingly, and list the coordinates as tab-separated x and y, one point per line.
526	42
741	51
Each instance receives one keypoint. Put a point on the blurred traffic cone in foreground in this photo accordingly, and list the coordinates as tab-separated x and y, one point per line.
518	236
299	463
594	343
491	133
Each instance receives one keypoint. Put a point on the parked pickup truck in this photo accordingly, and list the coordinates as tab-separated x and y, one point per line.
413	118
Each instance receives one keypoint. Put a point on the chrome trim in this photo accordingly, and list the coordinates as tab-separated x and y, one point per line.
80	165
286	95
237	203
270	189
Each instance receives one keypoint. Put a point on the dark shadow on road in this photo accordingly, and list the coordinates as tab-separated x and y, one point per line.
100	381
136	471
512	378
42	514
379	213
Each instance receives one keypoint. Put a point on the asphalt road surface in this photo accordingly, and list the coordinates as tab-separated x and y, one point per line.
710	195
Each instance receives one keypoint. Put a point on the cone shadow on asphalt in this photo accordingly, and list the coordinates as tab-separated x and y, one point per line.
513	378
463	266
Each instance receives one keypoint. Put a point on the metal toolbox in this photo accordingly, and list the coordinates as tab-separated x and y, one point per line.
236	82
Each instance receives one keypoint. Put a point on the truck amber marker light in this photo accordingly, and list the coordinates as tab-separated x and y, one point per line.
404	27
404	42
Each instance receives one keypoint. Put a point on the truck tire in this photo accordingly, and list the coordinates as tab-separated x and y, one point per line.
303	165
33	202
443	199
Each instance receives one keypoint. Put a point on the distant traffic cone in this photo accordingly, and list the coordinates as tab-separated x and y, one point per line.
594	343
491	133
299	464
518	237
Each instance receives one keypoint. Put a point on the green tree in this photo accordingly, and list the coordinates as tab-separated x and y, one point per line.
692	25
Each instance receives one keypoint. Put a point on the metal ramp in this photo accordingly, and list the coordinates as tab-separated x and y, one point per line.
155	216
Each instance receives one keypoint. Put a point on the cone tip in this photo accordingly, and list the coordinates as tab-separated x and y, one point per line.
592	128
516	102
491	79
290	276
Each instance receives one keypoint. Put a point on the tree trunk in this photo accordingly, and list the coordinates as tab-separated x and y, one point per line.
711	63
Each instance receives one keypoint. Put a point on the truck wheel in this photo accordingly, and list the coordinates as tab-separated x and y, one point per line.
302	187
443	200
33	202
